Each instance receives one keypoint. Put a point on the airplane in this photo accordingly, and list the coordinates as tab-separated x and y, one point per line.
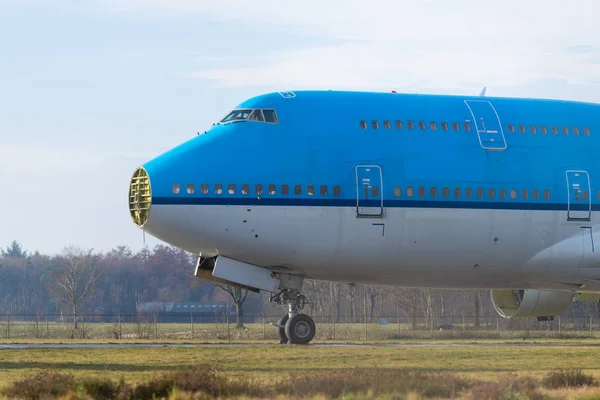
411	190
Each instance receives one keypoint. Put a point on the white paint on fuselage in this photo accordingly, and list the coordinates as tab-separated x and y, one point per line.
412	247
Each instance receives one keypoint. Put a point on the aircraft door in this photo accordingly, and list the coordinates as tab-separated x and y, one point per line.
369	191
579	203
487	123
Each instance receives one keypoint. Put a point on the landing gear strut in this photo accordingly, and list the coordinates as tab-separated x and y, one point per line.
294	328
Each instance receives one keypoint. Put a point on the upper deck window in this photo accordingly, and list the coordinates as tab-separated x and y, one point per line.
237	115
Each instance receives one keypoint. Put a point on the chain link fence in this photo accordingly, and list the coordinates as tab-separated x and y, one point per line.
223	327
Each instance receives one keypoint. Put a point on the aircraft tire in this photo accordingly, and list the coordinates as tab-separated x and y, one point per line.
283	339
300	329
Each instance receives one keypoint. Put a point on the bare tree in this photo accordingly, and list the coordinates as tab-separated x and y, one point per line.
239	297
74	277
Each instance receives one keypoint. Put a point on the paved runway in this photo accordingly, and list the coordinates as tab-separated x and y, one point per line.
25	346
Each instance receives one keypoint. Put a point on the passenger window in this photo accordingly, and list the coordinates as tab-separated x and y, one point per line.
422	125
511	128
457	193
586	131
285	190
310	190
492	193
323	190
555	130
337	190
467	125
433	192
544	129
298	190
422	191
445	192
433	126
218	188
258	189
387	125
176	188
584	195
375	191
245	188
576	130
397	191
375	124
257	115
410	192
190	188
513	193
522	129
444	126
525	194
410	125
469	193
480	193
231	189
272	190
398	124
546	195
204	188
536	194
566	130
363	124
456	126
532	129
503	193
270	116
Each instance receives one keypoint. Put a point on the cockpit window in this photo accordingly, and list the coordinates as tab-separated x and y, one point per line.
270	116
237	115
257	115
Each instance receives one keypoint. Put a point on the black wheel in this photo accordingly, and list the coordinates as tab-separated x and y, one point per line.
300	329
283	339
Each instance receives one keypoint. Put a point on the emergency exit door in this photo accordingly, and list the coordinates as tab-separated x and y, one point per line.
579	203
369	191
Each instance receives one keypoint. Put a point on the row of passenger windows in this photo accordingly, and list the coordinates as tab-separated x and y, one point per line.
259	190
410	125
470	193
399	191
455	126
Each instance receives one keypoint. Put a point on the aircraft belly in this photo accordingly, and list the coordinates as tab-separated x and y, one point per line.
411	247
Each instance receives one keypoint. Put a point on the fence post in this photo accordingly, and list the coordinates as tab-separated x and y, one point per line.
591	325
192	323
120	331
464	327
47	327
366	327
155	328
498	325
228	336
8	325
264	328
334	328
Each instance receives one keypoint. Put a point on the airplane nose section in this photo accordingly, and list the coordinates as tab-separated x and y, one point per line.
140	197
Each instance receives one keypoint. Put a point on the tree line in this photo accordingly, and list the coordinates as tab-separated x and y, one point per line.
80	281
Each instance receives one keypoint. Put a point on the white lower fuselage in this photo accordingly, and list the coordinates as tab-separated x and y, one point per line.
412	247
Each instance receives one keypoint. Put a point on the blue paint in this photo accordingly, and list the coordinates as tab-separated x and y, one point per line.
319	141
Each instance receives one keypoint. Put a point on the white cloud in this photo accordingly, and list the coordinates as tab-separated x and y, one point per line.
407	45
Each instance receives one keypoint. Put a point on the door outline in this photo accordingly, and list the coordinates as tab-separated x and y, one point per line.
573	187
367	211
484	130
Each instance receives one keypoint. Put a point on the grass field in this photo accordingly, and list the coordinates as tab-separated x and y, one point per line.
265	365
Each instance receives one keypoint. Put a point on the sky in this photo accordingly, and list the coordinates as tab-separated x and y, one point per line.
89	90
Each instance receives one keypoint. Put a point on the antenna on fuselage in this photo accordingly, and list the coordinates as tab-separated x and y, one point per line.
482	94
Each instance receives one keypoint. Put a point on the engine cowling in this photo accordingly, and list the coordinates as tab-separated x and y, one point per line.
530	303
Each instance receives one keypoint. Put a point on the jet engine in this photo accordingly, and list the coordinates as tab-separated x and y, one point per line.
528	303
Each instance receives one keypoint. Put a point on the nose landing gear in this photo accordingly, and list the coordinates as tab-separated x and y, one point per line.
294	328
